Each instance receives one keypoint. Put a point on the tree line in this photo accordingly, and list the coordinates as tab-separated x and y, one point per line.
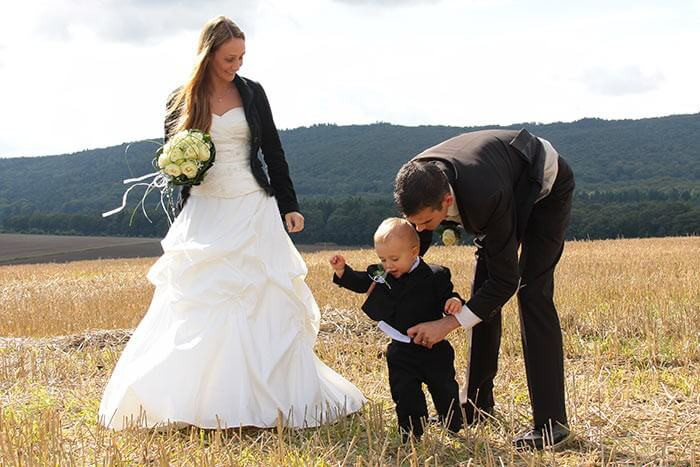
352	220
634	171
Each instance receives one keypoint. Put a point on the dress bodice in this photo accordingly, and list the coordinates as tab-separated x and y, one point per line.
230	176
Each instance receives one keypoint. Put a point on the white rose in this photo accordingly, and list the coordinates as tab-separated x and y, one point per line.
199	135
163	160
189	168
448	237
190	152
175	154
178	137
203	152
172	169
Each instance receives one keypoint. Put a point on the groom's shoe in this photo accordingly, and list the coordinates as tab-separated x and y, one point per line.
544	437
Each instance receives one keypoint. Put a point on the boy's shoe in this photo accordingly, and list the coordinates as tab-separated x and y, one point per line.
540	438
454	426
476	416
407	437
434	420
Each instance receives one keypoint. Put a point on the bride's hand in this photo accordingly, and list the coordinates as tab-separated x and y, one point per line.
294	221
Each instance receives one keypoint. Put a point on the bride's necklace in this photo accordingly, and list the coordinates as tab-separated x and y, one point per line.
221	97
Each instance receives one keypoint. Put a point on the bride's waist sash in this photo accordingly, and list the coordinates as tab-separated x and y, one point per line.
227	180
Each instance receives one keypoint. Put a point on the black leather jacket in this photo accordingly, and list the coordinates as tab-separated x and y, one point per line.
274	178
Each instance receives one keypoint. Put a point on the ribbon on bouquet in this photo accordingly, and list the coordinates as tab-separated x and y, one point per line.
159	181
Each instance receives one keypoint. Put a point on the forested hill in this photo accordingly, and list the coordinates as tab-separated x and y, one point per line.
657	153
649	160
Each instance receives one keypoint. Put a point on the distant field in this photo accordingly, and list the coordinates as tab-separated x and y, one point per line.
32	249
25	249
629	309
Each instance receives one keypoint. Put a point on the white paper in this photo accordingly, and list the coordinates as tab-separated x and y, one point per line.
393	333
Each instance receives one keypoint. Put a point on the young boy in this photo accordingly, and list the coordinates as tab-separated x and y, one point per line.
404	291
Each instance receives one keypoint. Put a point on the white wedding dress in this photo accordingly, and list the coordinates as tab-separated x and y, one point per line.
228	338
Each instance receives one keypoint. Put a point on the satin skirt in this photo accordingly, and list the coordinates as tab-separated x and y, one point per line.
228	338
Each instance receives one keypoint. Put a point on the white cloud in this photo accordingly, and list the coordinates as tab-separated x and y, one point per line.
388	3
132	21
631	79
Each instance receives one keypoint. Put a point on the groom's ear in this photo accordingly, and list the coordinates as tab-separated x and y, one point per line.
447	199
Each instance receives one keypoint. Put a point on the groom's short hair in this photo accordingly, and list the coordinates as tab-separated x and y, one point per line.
419	185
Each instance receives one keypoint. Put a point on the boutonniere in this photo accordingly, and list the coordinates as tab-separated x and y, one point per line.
449	237
378	275
449	234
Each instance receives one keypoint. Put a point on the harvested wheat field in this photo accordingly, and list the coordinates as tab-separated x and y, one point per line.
630	311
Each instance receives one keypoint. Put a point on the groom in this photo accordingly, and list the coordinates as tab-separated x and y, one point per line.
510	189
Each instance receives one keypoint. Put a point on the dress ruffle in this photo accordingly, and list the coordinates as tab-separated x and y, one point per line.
228	339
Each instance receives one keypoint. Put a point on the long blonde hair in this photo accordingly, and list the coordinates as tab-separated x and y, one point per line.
189	107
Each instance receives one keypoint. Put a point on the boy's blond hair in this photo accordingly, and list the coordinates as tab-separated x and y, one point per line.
395	227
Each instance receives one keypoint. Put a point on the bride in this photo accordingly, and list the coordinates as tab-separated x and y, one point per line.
228	338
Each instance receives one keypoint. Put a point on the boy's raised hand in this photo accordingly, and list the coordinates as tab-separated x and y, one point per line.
453	306
338	264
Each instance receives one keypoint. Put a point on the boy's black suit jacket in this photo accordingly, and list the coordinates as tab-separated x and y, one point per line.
415	297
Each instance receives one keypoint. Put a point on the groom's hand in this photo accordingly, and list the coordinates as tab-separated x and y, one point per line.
431	332
294	221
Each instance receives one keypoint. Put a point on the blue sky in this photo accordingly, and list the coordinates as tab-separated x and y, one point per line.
84	74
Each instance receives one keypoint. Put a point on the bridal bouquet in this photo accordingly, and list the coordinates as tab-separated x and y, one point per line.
186	157
183	161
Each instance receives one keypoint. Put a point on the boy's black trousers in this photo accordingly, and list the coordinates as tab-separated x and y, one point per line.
411	365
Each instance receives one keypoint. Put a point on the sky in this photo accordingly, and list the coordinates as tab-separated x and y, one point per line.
84	74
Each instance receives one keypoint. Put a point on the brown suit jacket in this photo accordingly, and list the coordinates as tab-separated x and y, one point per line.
496	176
